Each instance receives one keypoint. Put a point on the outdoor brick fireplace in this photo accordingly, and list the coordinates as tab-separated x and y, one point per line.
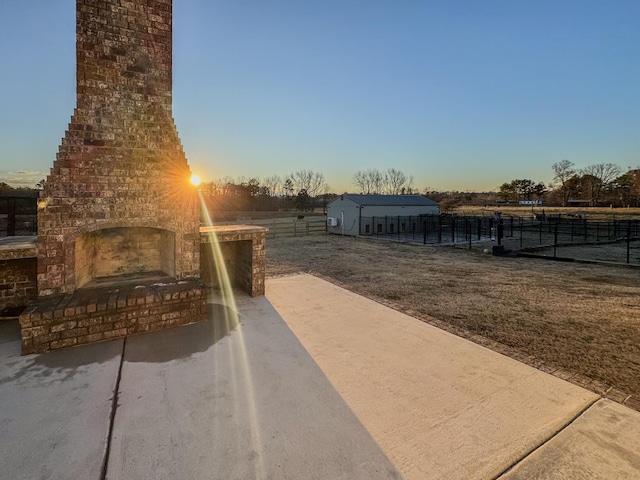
119	186
118	221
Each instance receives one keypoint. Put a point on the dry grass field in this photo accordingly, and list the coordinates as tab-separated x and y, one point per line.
575	320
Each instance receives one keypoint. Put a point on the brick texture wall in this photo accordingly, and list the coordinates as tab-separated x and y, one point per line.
17	283
242	249
120	163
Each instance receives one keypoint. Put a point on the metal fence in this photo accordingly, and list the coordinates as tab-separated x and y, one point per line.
430	229
616	241
613	241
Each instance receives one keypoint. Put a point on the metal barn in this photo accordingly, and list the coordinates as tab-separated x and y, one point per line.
353	214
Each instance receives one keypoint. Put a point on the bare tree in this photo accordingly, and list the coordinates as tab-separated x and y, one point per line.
606	172
396	181
362	180
369	181
378	181
391	181
312	182
597	178
274	184
563	171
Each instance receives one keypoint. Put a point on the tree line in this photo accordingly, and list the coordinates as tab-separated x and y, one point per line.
304	190
301	190
594	185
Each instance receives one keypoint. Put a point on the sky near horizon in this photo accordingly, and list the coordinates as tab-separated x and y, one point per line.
462	95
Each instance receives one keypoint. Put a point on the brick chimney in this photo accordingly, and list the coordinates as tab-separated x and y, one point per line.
118	199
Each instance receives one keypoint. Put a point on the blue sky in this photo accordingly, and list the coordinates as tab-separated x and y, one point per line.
463	95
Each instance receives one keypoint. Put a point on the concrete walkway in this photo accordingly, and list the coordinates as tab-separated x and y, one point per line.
368	394
443	407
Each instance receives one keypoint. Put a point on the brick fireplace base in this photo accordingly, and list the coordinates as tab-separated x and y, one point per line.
120	308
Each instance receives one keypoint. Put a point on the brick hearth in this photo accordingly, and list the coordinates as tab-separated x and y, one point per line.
123	306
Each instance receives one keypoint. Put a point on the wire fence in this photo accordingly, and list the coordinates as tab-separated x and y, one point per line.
614	241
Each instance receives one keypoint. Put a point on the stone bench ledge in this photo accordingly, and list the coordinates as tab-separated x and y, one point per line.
227	232
12	248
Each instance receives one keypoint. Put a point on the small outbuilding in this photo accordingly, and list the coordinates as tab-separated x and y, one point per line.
354	214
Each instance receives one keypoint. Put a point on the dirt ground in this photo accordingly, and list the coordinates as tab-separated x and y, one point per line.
576	320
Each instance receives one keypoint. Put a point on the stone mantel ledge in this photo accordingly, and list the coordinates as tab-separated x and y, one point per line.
12	248
232	229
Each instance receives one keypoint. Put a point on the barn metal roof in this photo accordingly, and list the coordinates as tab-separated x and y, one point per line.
390	200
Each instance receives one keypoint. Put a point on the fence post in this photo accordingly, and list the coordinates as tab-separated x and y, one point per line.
521	226
479	229
629	242
424	241
453	229
11	217
500	231
540	242
571	231
555	241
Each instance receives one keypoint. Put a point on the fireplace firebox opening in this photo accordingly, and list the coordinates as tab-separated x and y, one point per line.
122	251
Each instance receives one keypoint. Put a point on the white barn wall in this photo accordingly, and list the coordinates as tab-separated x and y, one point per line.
349	215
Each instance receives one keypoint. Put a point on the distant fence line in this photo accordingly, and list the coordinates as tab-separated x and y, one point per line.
616	241
289	227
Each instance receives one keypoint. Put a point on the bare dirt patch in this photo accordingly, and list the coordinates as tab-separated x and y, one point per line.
565	317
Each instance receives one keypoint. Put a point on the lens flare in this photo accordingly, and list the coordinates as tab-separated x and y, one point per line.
243	389
195	180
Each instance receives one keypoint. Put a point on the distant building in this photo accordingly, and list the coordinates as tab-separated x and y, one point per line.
531	203
353	214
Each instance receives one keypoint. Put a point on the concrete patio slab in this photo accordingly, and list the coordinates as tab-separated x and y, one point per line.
239	397
438	405
55	409
603	443
222	400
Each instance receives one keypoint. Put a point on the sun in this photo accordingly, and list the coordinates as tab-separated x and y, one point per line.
195	180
